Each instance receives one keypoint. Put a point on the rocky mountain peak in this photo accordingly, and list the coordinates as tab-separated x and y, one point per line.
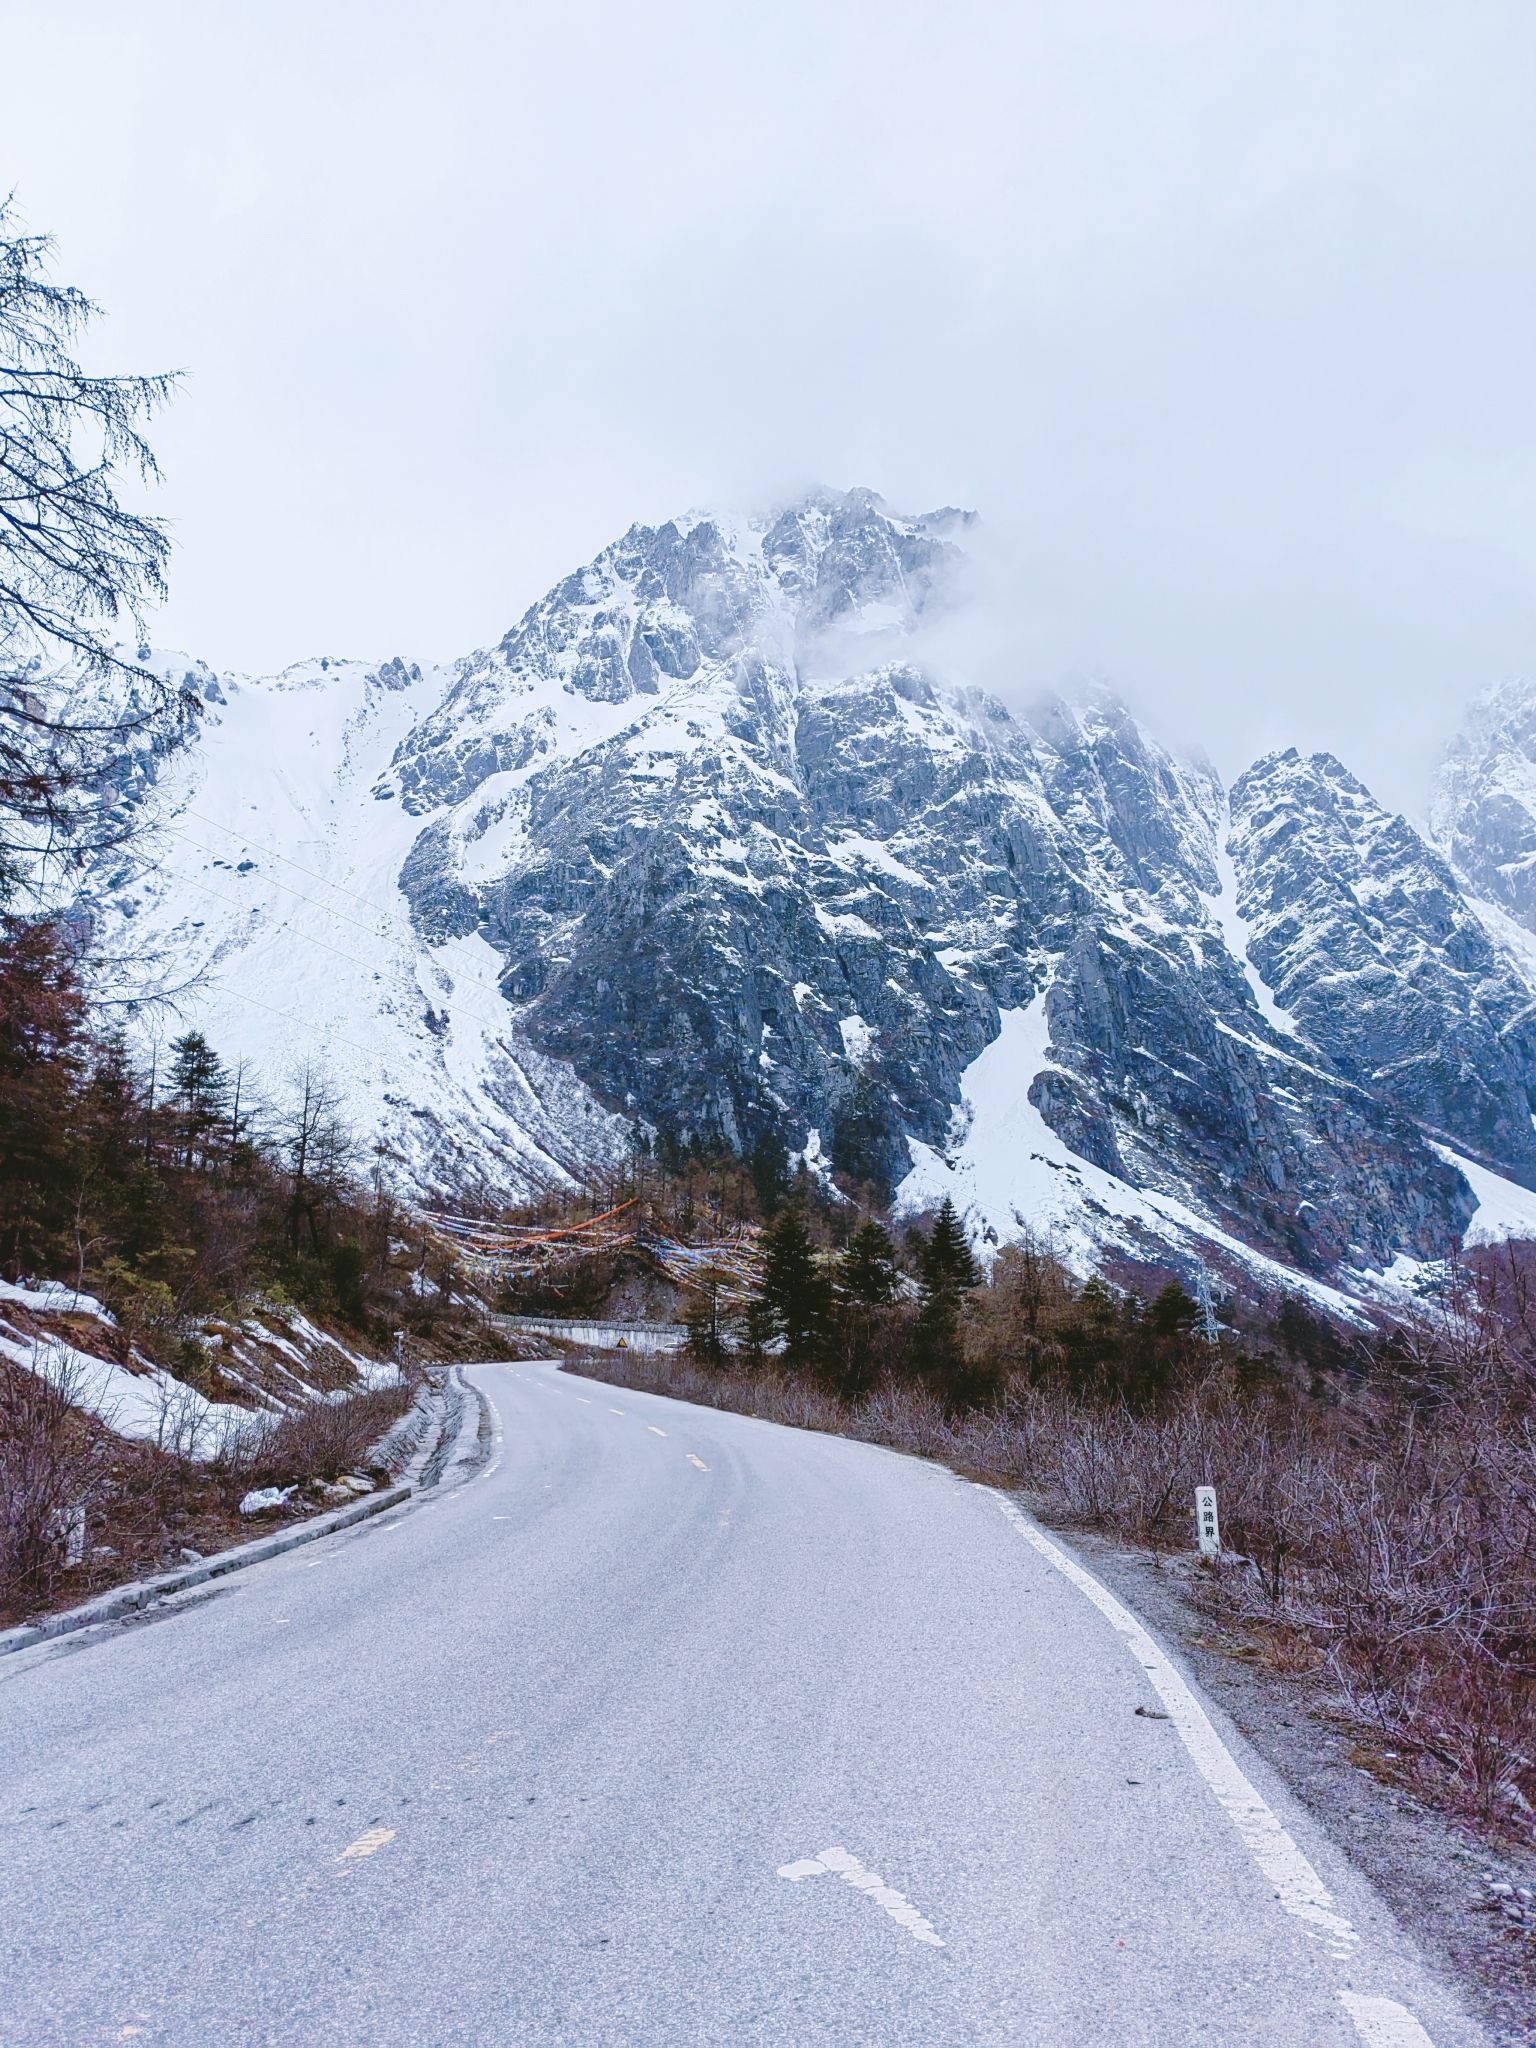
714	848
1483	806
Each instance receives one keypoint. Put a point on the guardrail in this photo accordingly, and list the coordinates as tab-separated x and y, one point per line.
597	1336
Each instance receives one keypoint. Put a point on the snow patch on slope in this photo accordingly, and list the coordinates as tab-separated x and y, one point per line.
1504	1208
1234	931
150	1407
278	902
1009	1172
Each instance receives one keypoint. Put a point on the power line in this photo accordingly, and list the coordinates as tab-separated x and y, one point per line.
500	1025
309	939
497	1024
368	1052
298	894
273	854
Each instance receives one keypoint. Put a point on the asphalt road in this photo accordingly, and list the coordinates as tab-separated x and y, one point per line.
669	1726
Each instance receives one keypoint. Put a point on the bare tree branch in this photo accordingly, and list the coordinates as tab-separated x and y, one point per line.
77	566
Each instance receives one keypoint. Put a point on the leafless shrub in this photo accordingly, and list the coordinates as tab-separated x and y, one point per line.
46	1471
316	1441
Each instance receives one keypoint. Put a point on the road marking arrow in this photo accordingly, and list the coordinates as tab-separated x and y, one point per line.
838	1863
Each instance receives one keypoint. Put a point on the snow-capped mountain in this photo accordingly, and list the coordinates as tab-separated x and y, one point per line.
709	850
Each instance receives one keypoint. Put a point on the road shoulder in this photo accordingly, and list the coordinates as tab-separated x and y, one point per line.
1433	1873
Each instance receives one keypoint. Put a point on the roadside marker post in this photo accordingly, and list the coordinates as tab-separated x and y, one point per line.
1207	1527
67	1527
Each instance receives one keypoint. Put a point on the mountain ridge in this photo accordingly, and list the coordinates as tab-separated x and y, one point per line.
707	851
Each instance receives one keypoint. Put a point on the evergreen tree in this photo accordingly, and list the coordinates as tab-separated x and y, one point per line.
867	1271
201	1089
770	1176
123	1190
946	1271
706	1321
757	1331
794	1288
42	1016
946	1262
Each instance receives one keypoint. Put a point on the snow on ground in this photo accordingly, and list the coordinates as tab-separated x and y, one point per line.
151	1407
852	849
276	899
858	1038
1506	932
55	1297
1010	1172
1504	1208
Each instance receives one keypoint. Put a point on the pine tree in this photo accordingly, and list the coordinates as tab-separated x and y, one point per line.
794	1287
120	1181
42	1016
770	1176
946	1261
867	1271
201	1089
946	1271
706	1320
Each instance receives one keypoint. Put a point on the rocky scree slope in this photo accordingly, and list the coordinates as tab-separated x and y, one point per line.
714	848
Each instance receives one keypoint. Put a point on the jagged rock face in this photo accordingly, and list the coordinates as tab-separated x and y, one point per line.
1483	811
733	861
1362	932
775	897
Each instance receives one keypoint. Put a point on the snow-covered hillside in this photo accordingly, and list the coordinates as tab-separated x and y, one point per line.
706	850
274	895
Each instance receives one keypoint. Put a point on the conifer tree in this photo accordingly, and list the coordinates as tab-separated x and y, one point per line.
794	1287
201	1089
42	1017
946	1271
947	1262
867	1271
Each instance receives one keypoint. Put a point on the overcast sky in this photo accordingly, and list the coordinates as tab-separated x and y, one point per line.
1222	315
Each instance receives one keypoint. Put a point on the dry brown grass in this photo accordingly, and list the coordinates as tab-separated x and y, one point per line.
317	1441
146	1503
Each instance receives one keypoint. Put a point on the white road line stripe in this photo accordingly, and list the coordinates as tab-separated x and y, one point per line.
696	1461
615	1411
367	1845
840	1864
1380	2022
1297	1885
1383	2023
654	1430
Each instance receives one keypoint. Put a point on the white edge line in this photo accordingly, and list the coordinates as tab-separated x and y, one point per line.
1297	1885
1383	2023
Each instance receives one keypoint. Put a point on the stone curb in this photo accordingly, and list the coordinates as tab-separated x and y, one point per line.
398	1450
465	1448
128	1599
430	1442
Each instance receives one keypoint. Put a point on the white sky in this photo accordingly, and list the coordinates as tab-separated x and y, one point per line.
1221	312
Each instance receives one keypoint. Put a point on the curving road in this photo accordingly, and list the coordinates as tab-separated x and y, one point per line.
668	1727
